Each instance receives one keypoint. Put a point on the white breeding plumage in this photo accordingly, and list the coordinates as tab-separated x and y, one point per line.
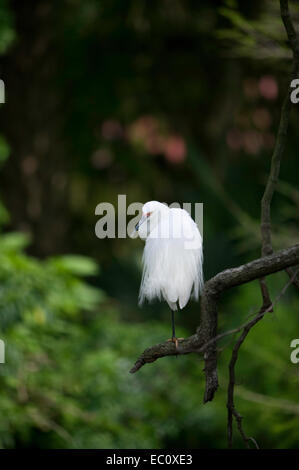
172	258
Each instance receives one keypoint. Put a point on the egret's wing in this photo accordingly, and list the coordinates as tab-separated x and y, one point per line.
172	261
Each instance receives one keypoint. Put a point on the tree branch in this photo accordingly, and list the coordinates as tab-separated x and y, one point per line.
267	248
280	143
212	291
232	412
167	348
281	135
290	273
205	338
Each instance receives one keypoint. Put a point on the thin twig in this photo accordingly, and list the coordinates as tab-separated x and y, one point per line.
280	143
231	410
213	289
290	272
205	336
281	139
259	315
267	248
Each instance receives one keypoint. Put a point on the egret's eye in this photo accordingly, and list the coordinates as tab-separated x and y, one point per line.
148	214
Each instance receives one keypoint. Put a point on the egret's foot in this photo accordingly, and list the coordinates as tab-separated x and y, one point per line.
175	341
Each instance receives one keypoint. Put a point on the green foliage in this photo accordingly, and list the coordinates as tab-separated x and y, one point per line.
4	150
29	285
79	265
66	380
284	226
7	33
4	154
267	381
4	215
117	92
261	37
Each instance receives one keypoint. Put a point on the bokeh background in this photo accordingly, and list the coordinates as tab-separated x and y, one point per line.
172	100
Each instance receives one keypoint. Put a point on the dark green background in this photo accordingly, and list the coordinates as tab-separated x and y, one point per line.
177	101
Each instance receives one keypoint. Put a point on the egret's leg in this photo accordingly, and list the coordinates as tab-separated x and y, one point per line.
173	324
174	339
178	339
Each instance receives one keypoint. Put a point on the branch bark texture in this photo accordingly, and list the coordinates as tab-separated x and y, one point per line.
205	339
281	135
213	289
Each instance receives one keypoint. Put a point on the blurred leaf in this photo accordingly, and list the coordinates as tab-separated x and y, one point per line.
14	241
4	150
79	265
7	33
4	215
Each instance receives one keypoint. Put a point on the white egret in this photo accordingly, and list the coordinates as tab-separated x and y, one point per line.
172	257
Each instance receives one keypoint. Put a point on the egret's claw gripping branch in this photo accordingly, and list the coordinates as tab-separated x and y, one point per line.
209	305
166	349
205	339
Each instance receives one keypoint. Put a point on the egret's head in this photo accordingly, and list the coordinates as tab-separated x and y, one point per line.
151	214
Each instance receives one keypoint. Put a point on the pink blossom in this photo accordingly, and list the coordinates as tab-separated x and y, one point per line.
175	149
268	87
